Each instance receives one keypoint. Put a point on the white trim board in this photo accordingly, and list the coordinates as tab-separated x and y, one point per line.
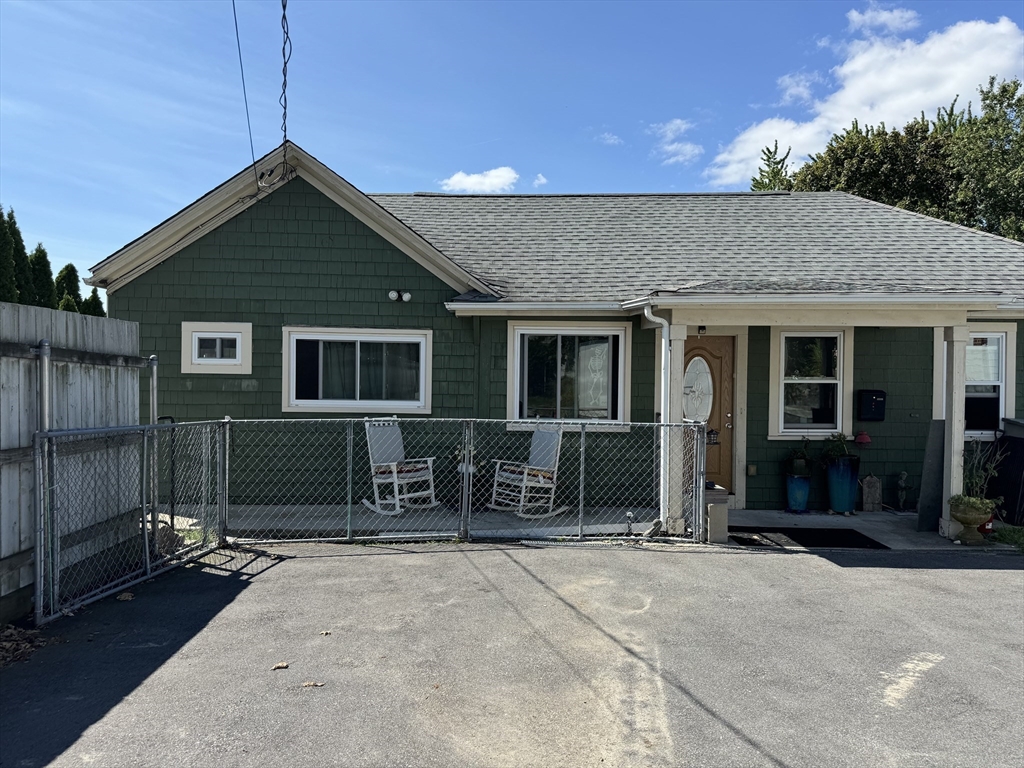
241	192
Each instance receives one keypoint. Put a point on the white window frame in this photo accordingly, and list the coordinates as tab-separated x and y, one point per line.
844	390
1007	388
291	334
517	329
191	363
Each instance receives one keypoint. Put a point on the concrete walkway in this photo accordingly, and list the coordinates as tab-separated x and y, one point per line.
893	529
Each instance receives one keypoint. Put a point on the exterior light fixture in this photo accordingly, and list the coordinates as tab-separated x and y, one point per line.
406	296
862	438
712	437
400	296
393	295
701	330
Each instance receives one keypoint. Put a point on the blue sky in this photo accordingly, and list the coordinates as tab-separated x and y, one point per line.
115	115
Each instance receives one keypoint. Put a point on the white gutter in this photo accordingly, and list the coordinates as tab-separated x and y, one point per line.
470	308
673	300
666	350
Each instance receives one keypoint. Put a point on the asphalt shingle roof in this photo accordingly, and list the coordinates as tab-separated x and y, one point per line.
619	247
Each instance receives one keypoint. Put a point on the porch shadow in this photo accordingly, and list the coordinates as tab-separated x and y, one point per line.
101	654
967	560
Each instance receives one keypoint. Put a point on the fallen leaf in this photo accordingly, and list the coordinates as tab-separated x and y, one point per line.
312	684
326	632
436	686
280	665
125	596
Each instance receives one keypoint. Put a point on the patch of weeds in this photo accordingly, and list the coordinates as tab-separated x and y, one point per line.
1009	534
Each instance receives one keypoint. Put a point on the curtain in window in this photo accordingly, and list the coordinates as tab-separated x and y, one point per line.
339	370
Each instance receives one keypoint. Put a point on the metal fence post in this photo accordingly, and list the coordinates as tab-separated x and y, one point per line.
154	484
221	472
145	500
348	479
701	512
467	478
41	541
222	519
39	457
583	458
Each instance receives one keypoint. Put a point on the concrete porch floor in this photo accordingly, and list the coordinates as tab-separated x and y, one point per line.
895	530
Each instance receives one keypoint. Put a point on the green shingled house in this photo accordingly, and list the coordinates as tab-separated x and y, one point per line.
770	315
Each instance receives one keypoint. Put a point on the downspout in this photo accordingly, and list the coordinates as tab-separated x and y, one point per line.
665	353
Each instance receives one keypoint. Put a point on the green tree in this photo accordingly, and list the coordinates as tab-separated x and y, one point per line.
93	305
42	278
962	167
773	175
22	271
8	285
67	304
67	282
988	155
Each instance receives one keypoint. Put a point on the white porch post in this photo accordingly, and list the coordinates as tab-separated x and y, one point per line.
956	337
677	339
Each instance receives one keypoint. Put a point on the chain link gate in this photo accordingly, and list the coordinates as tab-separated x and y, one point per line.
116	506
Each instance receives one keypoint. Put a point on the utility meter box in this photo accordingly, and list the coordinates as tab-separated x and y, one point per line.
870	405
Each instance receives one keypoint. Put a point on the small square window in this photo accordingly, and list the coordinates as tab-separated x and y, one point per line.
216	348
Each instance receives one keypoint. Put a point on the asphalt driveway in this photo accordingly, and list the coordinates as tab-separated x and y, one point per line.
490	655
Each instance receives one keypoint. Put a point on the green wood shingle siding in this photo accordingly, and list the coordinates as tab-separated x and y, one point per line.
297	258
896	360
294	258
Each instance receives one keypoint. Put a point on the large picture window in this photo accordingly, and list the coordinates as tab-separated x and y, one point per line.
572	372
347	370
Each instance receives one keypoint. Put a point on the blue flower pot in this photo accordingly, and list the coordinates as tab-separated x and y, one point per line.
798	488
842	483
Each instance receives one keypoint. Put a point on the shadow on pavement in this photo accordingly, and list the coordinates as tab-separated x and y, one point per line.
100	655
966	560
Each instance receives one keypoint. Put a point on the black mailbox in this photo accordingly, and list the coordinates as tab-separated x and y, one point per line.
870	405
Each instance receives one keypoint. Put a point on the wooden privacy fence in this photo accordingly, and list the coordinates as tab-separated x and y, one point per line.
93	376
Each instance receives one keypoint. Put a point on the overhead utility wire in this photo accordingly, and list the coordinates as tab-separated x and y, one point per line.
286	54
245	96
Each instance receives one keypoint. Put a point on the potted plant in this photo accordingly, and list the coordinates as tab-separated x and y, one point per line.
798	477
971	509
842	468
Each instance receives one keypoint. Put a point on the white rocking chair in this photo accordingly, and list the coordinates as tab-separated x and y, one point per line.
398	483
528	490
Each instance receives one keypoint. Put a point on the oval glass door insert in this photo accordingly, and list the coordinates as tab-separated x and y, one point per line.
698	394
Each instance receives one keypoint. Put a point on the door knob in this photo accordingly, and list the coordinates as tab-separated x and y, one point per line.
728	415
728	426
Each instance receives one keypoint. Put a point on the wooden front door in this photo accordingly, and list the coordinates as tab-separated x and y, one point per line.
708	394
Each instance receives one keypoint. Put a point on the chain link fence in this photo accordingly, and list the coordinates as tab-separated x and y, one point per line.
119	505
116	506
348	479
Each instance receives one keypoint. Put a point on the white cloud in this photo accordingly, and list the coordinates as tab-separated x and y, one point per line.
796	87
609	139
882	80
495	180
669	148
540	181
875	17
